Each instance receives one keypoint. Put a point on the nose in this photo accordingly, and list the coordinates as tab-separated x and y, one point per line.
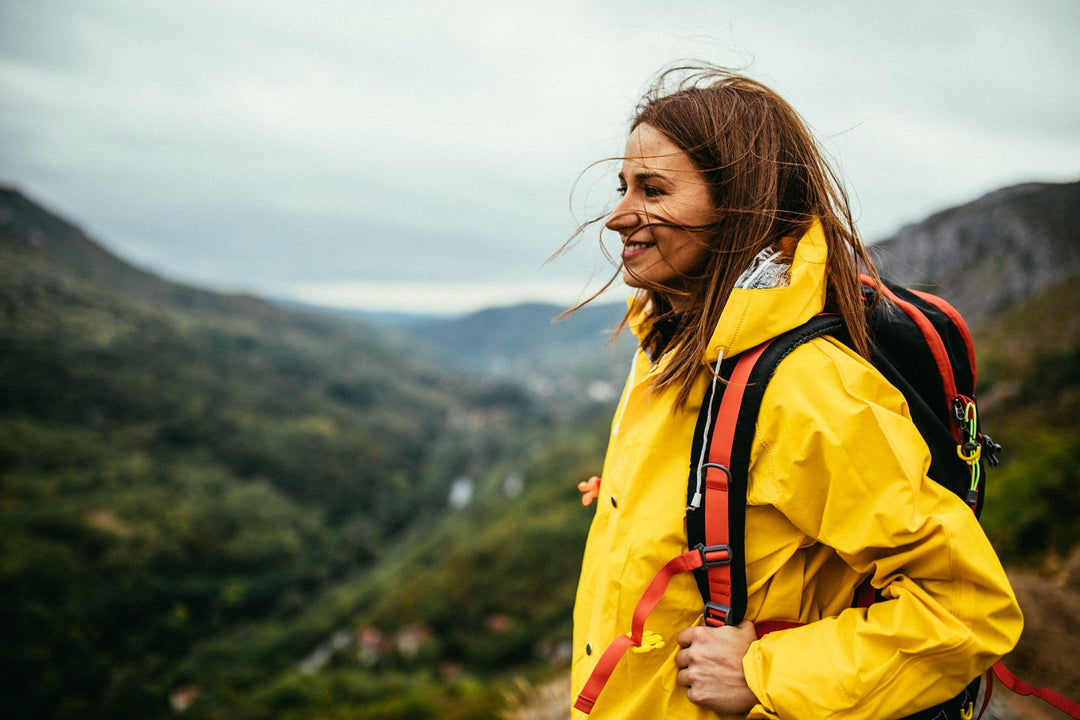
623	218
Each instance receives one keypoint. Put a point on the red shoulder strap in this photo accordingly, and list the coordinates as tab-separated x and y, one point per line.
717	478
961	325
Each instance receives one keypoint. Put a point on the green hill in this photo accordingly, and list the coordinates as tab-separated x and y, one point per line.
177	465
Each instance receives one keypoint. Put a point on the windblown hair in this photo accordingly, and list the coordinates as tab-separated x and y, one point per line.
768	182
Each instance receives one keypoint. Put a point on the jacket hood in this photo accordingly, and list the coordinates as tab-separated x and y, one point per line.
752	316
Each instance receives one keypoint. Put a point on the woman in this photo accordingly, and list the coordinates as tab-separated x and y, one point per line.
733	231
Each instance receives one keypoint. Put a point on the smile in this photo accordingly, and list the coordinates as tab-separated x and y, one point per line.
633	249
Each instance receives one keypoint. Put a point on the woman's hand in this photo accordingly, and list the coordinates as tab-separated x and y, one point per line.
710	666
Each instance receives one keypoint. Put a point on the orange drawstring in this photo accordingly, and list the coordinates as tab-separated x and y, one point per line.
590	490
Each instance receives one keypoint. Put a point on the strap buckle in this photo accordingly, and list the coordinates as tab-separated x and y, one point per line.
714	555
716	614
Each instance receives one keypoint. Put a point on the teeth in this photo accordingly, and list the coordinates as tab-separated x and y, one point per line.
636	246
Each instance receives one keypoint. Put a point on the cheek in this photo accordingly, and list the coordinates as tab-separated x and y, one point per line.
689	252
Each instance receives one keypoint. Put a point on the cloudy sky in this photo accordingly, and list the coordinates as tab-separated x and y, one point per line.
420	155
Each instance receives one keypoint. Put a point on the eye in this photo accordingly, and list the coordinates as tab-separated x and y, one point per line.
653	191
621	190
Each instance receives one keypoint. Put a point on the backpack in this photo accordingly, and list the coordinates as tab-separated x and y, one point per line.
923	347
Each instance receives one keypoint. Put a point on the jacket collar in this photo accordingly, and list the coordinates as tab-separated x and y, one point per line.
751	317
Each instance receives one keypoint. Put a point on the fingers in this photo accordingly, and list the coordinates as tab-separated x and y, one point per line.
686	636
734	639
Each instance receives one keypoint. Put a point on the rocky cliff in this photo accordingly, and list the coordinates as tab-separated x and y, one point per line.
997	251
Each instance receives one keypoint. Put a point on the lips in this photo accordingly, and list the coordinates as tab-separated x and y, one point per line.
633	249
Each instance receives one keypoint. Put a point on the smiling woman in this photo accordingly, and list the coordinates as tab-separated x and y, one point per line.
734	231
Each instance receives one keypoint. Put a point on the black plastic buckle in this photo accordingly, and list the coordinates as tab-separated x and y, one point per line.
990	450
708	555
717	614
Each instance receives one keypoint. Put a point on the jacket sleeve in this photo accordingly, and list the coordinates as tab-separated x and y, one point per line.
837	454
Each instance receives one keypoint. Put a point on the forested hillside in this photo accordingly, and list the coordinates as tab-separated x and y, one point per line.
179	465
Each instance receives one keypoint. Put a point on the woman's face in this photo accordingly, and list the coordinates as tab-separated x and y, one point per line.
664	207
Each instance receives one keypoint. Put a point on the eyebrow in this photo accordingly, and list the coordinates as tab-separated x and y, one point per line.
644	175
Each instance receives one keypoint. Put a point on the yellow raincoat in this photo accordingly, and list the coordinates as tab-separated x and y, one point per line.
837	492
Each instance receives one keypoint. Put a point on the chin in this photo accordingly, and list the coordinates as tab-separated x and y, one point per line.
635	281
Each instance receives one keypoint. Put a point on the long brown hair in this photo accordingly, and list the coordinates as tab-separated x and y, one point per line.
768	181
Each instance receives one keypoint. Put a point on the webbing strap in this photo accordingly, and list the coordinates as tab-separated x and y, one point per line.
730	404
717	479
1018	686
690	560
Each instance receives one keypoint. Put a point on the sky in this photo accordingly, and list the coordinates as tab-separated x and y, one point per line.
421	156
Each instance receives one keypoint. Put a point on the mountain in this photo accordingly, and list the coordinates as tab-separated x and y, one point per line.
497	338
1010	263
565	361
991	254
